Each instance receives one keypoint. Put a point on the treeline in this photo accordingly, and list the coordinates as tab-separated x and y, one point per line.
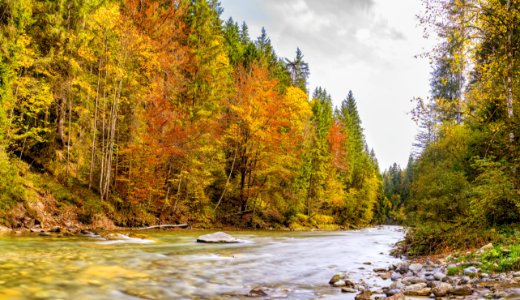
168	114
464	182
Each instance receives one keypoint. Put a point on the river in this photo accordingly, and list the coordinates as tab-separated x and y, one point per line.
171	265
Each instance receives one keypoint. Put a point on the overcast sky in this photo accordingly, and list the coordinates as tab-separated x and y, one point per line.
367	46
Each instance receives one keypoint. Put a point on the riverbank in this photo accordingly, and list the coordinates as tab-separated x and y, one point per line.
488	272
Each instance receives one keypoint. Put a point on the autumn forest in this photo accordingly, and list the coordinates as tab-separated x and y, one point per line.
160	112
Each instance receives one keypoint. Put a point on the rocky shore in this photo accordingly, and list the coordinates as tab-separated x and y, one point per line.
412	279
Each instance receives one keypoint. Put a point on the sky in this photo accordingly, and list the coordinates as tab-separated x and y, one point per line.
367	46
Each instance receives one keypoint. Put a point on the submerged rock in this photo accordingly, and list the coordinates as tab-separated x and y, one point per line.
348	290
217	237
257	292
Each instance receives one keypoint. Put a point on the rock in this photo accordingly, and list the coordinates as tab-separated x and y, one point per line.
464	280
484	275
515	274
257	292
44	233
398	296
442	289
439	276
55	229
348	290
380	270
418	289
470	271
402	267
337	277
395	276
339	283
415	268
391	292
413	280
461	290
365	295
367	263
217	237
385	276
429	277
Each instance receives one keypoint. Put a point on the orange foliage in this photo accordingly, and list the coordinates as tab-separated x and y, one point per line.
337	139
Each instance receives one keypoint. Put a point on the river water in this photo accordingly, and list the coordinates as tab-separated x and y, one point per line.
171	265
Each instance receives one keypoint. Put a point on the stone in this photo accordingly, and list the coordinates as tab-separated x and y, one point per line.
395	276
461	290
385	276
365	295
217	237
367	263
442	289
413	280
402	267
338	277
439	276
470	271
429	277
418	289
515	274
380	270
415	268
464	280
348	290
339	283
257	292
398	296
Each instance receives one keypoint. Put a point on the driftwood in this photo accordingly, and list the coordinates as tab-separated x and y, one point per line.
164	226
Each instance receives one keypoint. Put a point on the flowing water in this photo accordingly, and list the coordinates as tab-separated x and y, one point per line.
171	265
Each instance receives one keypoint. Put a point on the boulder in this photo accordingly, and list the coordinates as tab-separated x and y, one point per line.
217	237
442	289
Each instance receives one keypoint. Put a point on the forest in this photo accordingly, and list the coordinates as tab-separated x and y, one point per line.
460	188
159	111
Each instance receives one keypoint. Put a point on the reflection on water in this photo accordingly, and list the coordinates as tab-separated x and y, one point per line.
174	266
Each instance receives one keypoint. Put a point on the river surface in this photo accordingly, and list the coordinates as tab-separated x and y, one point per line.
171	265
